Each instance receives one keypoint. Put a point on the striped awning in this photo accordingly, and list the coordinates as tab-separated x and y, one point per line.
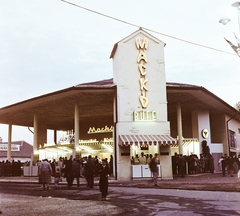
126	140
186	142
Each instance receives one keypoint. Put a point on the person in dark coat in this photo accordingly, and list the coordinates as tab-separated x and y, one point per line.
230	165
182	165
111	165
76	170
68	172
154	169
90	169
104	172
211	163
174	163
223	162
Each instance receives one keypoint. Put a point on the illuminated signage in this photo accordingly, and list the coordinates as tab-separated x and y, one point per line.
142	61
105	129
143	115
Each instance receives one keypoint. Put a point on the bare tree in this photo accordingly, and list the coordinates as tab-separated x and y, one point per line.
237	106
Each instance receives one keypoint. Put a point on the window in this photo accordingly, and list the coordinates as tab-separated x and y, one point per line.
232	139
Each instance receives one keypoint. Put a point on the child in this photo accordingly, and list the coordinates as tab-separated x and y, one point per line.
57	177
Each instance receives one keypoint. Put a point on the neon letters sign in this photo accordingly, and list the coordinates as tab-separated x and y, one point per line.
142	61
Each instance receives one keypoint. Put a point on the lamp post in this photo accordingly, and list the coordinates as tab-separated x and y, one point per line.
237	5
226	20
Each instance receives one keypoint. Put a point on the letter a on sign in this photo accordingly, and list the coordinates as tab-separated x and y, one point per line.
142	56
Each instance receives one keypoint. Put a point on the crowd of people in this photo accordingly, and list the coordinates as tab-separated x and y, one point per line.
142	159
231	164
13	168
72	168
192	164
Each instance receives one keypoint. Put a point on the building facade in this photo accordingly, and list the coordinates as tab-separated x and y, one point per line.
135	112
20	151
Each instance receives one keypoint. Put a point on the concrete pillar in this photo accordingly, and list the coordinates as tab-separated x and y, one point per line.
179	128
9	142
115	146
76	152
55	136
201	121
35	139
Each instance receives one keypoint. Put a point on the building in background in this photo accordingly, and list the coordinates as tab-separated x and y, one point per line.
20	151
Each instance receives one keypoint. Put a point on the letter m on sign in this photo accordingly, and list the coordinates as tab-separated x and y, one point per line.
141	44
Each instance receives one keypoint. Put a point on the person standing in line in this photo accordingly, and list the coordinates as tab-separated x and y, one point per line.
53	165
60	166
136	160
104	172
76	170
230	165
211	163
174	163
154	169
149	159
46	172
182	165
96	161
222	160
111	165
68	172
142	159
90	169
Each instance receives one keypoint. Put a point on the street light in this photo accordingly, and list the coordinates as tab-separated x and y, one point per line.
237	5
225	21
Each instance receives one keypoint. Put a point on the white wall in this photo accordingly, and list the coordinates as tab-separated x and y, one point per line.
126	75
200	121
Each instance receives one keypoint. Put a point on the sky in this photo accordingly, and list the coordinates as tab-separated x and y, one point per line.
46	46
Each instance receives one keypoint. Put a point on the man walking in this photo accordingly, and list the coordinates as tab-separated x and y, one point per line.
154	169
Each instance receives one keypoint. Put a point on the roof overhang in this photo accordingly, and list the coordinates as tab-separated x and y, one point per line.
95	101
56	110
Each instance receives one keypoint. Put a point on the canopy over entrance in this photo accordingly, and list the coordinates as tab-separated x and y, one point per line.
126	140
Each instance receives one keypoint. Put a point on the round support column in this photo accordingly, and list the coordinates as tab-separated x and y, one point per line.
9	142
179	128
76	152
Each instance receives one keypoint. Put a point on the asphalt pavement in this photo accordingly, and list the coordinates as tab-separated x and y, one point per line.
201	182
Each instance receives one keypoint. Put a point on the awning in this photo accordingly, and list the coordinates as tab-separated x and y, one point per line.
126	140
186	142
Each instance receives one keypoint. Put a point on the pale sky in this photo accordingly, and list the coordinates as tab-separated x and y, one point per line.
46	46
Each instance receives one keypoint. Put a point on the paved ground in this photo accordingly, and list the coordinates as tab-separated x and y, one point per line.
202	194
206	182
27	199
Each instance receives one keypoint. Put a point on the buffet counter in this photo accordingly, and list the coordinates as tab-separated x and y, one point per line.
143	171
30	171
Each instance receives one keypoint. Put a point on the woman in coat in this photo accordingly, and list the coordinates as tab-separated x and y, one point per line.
46	172
104	172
